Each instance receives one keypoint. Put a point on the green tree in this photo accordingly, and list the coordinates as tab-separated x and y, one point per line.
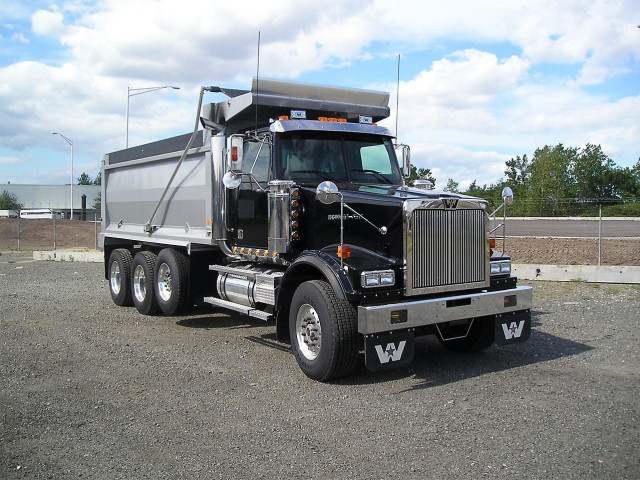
8	201
97	203
98	179
551	181
452	186
421	174
84	179
592	174
474	189
518	171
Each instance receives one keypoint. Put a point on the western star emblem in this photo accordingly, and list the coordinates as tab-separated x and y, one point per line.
514	330
450	202
390	353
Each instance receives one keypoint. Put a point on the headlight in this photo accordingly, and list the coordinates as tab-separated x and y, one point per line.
381	278
501	267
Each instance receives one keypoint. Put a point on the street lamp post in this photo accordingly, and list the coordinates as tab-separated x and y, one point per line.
140	91
70	142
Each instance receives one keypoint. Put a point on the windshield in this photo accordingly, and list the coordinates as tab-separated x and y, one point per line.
312	157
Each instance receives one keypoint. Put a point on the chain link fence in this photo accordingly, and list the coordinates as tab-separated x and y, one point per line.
49	234
594	234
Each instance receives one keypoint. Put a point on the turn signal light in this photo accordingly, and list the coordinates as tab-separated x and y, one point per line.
344	251
492	243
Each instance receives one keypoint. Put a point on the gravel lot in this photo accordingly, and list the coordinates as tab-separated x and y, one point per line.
92	390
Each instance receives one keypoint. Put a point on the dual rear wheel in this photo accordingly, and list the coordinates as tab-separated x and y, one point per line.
151	283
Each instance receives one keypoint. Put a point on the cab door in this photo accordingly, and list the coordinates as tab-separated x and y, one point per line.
252	201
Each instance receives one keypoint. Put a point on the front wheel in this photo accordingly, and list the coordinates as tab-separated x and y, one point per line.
323	332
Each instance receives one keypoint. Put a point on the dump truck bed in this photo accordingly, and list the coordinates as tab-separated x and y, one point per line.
133	181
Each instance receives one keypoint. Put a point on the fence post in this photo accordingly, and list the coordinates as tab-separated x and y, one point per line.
18	230
600	235
95	230
54	232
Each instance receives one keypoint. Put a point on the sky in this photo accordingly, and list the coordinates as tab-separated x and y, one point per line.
480	82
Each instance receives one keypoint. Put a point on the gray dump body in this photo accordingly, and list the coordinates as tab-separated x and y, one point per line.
133	181
191	213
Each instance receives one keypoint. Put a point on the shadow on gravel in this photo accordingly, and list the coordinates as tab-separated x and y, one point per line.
436	366
207	317
270	340
433	364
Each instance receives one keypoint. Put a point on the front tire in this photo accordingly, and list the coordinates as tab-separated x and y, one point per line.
143	283
323	332
120	277
172	281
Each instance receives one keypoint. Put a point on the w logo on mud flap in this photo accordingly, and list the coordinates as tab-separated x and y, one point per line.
391	353
514	330
450	203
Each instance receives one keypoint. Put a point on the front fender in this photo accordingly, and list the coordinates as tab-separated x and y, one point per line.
325	266
311	265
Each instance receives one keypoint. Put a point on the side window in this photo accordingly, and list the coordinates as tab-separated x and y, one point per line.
375	157
256	162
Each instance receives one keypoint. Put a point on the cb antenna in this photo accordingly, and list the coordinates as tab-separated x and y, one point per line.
257	82
398	98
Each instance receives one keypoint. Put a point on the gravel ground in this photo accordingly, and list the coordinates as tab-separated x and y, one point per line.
91	390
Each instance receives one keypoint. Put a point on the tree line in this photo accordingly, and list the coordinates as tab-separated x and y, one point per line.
561	181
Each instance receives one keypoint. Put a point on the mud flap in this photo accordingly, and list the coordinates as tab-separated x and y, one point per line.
512	327
386	351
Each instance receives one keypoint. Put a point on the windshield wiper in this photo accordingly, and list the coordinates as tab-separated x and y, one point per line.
377	174
324	175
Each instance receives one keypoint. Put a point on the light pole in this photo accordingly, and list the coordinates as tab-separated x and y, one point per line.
70	142
140	91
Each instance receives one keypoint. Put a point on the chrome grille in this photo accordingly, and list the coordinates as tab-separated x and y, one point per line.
446	248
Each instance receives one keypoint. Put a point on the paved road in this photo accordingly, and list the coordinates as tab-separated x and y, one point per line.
611	228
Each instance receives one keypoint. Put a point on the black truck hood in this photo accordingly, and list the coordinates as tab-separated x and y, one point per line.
381	205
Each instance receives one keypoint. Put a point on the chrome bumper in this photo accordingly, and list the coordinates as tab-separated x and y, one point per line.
376	319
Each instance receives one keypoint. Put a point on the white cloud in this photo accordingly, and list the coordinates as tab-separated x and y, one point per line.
477	103
9	160
20	37
45	22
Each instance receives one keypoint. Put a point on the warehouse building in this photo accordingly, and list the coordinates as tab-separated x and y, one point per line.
57	198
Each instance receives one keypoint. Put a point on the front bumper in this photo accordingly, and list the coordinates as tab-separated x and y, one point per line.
419	313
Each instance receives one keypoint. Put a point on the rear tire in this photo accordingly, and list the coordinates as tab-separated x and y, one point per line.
143	283
120	277
481	336
323	332
172	281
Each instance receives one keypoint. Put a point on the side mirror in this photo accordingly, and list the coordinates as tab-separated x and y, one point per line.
231	180
235	153
403	152
327	192
507	195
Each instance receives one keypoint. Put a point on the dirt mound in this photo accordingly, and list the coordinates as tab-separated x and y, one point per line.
43	234
74	234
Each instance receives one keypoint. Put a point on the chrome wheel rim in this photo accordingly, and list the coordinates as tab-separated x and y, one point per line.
114	278
139	284
308	332
164	282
